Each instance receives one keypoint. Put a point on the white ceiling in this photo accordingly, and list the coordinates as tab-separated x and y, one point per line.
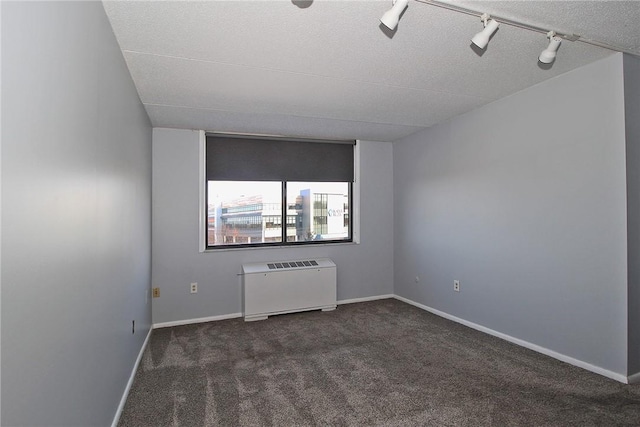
327	69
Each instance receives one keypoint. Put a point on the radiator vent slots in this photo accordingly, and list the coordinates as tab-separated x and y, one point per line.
292	264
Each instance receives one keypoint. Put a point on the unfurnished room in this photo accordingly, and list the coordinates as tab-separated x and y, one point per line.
320	212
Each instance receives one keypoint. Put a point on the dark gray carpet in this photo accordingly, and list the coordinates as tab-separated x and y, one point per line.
382	363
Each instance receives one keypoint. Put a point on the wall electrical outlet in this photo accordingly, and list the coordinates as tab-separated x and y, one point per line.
456	285
156	292
194	288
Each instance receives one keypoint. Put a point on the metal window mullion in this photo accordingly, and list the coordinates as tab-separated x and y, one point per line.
283	213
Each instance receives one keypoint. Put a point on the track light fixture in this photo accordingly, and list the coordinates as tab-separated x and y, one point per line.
490	26
549	54
392	16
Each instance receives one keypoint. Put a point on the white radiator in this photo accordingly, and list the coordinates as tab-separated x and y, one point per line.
285	287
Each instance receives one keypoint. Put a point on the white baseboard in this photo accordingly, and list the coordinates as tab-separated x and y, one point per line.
526	344
373	298
564	358
198	320
236	315
633	379
123	400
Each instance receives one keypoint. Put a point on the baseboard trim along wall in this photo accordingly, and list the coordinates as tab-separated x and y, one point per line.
236	315
123	400
364	299
522	343
198	320
635	378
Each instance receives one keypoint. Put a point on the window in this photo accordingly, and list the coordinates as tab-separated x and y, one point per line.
273	192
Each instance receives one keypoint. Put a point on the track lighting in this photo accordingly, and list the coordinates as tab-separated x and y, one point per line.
549	54
482	38
392	16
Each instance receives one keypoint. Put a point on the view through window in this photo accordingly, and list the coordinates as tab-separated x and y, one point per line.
256	213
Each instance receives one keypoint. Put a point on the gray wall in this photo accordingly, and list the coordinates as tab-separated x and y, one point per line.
76	205
632	126
363	270
523	201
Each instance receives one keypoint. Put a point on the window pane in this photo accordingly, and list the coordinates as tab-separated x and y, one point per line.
244	212
319	211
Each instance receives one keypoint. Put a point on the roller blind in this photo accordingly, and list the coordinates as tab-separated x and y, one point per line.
246	158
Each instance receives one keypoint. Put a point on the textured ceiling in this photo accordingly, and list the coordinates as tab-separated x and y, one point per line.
328	69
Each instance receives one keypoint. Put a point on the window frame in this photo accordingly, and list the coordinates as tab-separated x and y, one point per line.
352	217
283	224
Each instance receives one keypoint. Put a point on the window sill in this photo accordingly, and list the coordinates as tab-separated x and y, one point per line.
251	248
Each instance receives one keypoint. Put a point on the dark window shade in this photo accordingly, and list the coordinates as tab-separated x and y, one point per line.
268	159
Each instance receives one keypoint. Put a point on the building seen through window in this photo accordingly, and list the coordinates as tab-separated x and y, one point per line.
243	212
